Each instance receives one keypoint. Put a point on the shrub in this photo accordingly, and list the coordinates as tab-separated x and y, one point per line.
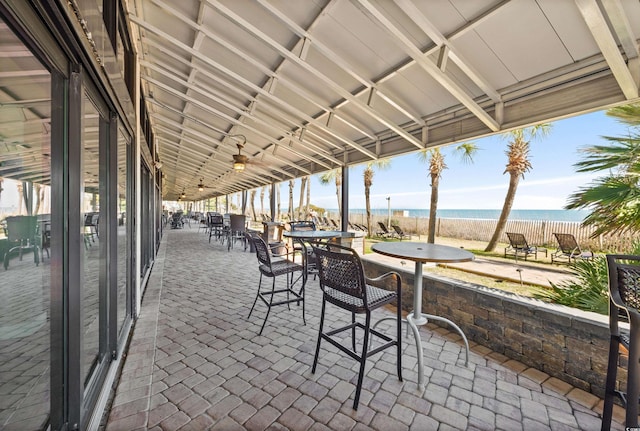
589	290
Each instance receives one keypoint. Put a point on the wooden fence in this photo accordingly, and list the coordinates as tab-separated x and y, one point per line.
537	232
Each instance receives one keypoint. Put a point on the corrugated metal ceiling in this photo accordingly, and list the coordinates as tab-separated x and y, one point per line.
315	84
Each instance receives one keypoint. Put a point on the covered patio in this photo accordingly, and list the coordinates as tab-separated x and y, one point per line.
196	362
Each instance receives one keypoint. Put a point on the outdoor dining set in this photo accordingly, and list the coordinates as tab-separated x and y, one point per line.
298	250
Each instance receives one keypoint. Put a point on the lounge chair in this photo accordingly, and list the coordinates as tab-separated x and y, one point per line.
568	249
399	231
518	246
384	232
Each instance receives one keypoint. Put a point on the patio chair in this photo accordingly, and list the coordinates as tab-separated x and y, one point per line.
399	232
518	246
309	258
22	235
237	228
568	248
345	285
216	225
384	232
273	266
624	305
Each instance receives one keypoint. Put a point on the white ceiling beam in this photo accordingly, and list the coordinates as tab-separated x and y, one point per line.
239	78
440	77
296	60
597	24
450	51
307	36
211	110
218	151
242	112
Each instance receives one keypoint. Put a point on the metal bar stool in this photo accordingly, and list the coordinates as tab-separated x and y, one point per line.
624	303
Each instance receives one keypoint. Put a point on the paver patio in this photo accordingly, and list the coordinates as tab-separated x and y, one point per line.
195	362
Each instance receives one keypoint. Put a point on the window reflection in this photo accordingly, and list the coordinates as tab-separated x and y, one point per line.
123	255
25	196
91	236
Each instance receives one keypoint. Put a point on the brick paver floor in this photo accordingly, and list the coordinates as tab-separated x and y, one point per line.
195	362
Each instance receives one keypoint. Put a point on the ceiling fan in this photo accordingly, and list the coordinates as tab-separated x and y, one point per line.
240	161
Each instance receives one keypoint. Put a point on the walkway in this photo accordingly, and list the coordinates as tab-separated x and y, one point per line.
196	363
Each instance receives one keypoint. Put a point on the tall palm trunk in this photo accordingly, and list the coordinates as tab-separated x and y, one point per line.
303	187
514	180
433	208
278	203
262	199
308	198
253	204
339	191
291	212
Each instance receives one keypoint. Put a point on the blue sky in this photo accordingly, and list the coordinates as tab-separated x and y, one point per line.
482	184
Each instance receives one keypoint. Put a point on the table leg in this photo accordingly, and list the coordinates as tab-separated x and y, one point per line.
416	318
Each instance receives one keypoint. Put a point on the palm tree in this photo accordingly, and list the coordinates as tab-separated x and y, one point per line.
435	158
334	176
368	181
262	190
518	163
303	187
252	198
614	200
291	214
306	210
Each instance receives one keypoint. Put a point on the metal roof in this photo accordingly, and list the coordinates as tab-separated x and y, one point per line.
317	84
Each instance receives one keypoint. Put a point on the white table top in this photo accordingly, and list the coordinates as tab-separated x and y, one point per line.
422	252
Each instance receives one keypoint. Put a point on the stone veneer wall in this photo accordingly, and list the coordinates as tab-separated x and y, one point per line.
563	342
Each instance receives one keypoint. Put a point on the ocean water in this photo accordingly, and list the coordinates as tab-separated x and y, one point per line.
547	215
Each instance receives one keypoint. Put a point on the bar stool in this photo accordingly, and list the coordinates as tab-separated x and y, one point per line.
624	303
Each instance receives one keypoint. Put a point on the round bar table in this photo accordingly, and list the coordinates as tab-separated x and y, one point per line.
421	253
314	236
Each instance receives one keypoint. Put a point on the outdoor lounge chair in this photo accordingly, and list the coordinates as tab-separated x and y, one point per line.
384	232
399	231
518	246
568	249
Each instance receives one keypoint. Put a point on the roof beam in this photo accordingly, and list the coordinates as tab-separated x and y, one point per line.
415	14
597	24
440	77
268	72
306	66
307	38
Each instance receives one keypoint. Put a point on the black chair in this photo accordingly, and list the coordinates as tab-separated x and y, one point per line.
568	248
215	224
237	228
274	266
345	285
399	232
384	232
624	305
518	246
304	249
22	235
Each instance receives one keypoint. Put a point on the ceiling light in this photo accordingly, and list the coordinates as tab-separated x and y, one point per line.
200	186
239	160
183	195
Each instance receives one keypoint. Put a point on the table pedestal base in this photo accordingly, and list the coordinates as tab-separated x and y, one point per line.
423	320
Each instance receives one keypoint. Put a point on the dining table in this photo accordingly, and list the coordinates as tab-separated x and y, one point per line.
421	253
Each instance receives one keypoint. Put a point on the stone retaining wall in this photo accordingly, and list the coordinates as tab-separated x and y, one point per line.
563	342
